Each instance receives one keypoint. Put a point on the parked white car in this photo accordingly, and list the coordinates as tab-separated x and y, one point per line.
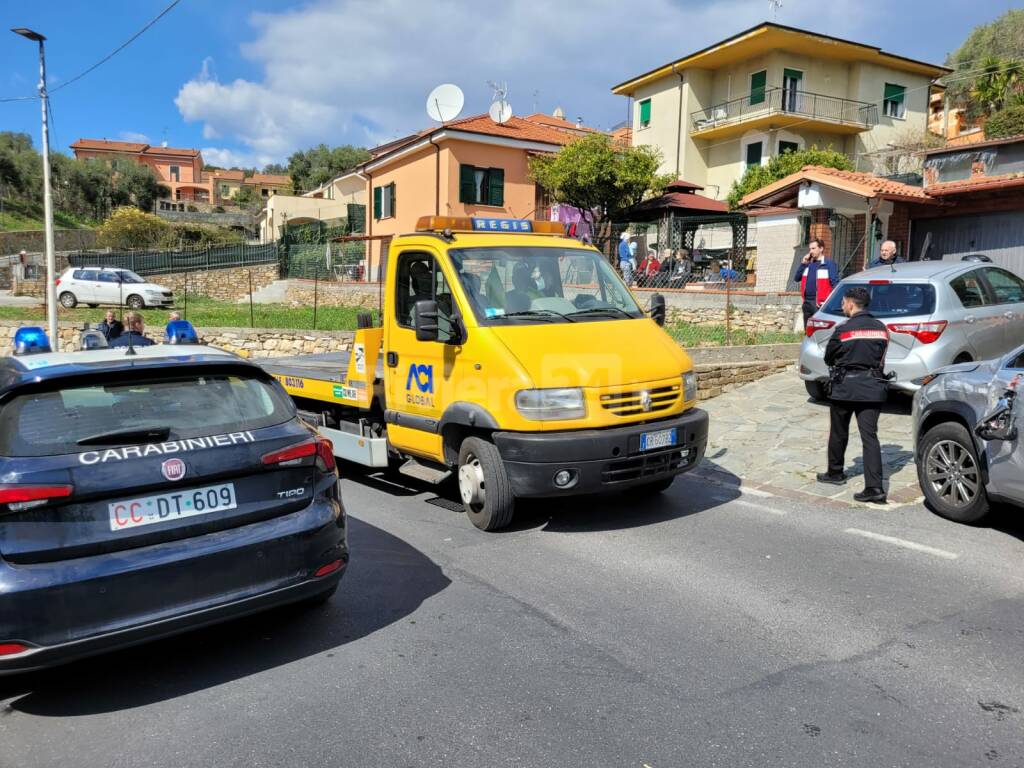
110	285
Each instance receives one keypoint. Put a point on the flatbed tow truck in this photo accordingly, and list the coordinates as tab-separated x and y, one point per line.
515	358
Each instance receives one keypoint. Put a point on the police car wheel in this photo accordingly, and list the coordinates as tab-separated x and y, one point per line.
816	390
68	300
484	487
135	302
950	474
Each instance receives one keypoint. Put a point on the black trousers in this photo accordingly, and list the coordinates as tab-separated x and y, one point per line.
809	308
839	435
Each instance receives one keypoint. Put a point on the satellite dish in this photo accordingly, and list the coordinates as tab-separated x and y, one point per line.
445	103
500	111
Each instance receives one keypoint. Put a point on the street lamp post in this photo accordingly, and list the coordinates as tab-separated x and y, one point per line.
51	259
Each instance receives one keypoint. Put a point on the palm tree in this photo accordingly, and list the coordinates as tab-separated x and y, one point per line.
998	82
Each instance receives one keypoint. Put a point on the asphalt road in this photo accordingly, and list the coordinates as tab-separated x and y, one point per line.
701	628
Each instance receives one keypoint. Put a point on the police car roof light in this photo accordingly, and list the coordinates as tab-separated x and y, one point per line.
181	332
92	340
31	340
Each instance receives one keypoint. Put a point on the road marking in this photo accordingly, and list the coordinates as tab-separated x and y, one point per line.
761	507
904	543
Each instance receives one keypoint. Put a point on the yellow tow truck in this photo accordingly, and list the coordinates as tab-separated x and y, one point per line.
514	357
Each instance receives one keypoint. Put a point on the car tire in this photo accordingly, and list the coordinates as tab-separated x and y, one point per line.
946	449
816	390
135	302
654	488
484	486
68	300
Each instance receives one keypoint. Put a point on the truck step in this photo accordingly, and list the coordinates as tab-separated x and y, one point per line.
425	472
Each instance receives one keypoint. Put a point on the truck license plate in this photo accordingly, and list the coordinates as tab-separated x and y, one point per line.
663	439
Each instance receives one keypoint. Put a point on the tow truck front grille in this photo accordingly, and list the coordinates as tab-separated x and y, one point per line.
653	464
633	403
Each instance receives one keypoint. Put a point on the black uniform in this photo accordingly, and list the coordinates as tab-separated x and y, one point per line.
856	356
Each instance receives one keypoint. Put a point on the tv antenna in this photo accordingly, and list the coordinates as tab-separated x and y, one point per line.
500	111
774	6
445	103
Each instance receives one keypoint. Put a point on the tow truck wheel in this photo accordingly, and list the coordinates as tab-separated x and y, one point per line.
484	486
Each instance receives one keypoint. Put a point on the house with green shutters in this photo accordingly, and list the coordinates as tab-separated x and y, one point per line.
773	89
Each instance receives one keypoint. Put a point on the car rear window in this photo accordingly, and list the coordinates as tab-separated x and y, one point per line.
888	299
51	423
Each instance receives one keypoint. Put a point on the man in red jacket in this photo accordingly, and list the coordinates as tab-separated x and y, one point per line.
817	276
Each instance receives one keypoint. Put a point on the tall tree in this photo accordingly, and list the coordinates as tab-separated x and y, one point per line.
312	167
598	176
1001	40
781	166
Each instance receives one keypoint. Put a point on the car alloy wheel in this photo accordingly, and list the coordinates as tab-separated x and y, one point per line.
952	473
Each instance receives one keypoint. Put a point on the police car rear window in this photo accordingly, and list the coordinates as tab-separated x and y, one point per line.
51	423
888	299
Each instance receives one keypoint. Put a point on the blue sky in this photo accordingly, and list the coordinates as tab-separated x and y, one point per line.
249	81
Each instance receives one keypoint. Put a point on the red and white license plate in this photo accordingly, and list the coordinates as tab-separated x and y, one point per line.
147	510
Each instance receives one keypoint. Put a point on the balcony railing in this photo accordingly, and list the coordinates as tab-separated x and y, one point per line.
814	106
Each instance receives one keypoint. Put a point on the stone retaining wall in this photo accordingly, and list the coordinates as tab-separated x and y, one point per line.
231	284
715	378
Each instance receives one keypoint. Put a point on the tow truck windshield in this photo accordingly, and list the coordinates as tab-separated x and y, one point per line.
512	284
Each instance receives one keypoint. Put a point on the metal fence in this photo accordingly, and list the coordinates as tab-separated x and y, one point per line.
330	262
151	261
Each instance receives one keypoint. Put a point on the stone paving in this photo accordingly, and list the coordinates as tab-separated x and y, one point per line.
770	436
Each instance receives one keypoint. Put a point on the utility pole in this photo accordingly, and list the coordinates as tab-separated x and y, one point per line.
51	259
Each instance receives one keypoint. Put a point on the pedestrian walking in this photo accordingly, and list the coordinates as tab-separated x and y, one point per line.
886	256
857	387
625	259
817	276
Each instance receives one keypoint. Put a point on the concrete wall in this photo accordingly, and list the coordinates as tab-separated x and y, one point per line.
867	83
295	209
778	238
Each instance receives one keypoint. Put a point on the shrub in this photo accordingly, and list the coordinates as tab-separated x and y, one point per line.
1005	123
131	228
779	167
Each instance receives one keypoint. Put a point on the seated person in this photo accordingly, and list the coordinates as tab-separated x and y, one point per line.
524	290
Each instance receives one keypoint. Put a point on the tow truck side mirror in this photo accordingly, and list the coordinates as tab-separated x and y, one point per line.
658	308
425	313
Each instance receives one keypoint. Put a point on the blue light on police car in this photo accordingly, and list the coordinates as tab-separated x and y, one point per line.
181	332
31	340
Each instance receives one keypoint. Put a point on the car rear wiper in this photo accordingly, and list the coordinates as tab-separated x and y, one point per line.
595	310
142	435
540	314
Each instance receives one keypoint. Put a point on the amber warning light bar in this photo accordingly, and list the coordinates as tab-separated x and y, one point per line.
475	224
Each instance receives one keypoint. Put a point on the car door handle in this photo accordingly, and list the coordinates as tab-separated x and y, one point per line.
1009	315
969	319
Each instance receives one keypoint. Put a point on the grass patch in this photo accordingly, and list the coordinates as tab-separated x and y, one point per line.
693	335
19	215
211	314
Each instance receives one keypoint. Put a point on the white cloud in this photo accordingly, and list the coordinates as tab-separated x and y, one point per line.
359	71
133	136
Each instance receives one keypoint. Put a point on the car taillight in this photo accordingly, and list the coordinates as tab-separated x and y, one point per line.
926	333
813	326
57	281
20	497
292	455
11	649
325	455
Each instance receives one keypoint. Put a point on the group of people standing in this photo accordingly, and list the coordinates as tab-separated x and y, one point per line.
130	333
855	354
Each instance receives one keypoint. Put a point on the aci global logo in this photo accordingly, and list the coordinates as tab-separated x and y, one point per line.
419	385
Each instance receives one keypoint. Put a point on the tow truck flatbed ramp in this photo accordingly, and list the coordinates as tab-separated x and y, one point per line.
326	366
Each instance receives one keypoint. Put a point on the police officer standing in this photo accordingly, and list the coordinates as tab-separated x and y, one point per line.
856	358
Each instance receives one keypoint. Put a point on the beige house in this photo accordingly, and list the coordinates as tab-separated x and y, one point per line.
326	202
773	89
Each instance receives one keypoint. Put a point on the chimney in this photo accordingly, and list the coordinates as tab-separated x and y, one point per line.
579	122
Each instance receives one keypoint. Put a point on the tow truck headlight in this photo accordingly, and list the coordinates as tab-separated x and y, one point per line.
551	404
690	386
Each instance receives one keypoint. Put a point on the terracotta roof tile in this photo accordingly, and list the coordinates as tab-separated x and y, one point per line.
882	186
857	182
515	128
269	178
110	146
976	184
557	122
230	174
173	151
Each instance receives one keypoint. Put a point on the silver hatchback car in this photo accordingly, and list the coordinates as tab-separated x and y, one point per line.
938	313
969	436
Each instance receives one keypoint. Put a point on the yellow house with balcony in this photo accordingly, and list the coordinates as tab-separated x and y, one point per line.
769	90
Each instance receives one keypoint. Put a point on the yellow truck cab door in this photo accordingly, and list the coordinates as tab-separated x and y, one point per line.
420	376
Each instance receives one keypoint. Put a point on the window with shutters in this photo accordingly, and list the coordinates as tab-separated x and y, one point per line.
894	101
758	81
384	201
754	153
175	173
645	113
481	186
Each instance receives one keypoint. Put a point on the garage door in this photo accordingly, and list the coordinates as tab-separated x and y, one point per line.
1000	236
